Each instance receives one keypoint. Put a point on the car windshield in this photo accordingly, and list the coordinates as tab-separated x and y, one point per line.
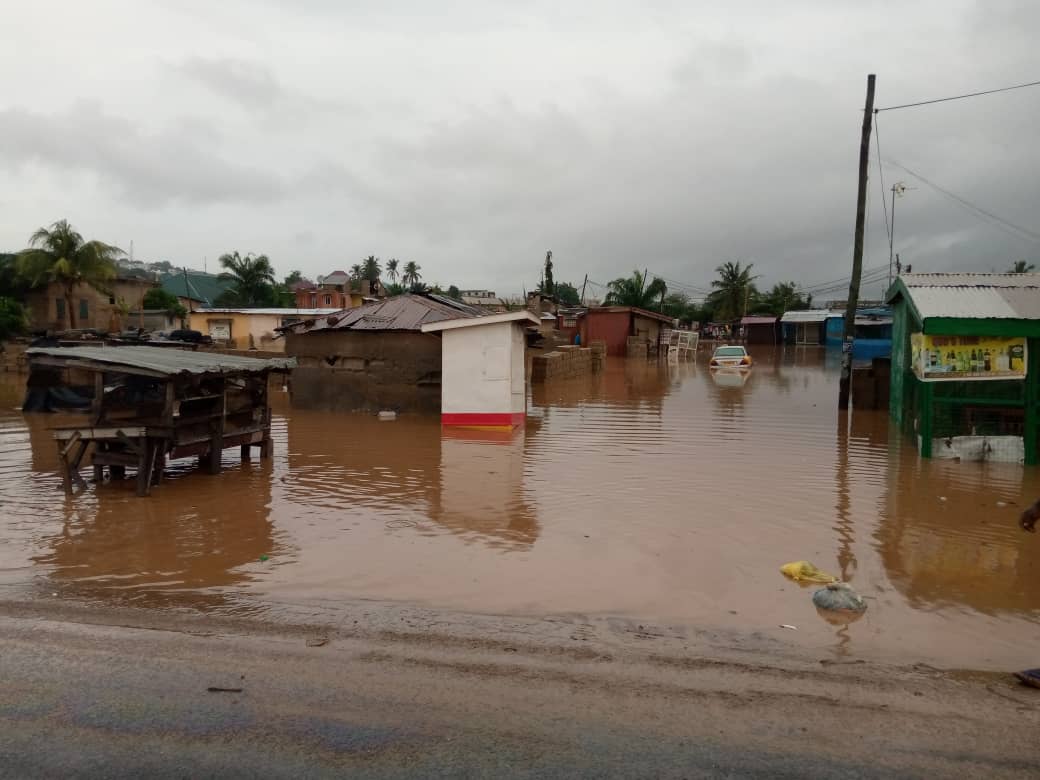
729	352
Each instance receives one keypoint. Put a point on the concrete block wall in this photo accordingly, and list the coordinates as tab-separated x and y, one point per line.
567	362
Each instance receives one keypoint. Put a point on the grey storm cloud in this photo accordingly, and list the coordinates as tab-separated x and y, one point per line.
174	163
473	137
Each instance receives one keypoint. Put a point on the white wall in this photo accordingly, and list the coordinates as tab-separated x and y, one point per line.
483	369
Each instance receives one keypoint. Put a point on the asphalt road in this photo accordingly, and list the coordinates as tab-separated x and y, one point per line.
83	696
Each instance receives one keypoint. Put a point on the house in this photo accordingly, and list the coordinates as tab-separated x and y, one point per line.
963	379
336	291
760	329
249	328
195	289
627	330
373	357
94	309
804	327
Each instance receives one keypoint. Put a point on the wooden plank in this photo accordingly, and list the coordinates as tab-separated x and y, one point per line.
90	432
76	436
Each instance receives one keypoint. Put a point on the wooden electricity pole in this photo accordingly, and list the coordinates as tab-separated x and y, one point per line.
857	250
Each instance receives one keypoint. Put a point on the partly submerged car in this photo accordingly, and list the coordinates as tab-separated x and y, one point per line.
730	357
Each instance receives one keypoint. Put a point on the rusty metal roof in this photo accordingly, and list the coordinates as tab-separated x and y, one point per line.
156	360
407	312
972	296
758	320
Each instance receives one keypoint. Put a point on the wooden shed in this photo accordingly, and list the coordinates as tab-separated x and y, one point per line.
150	404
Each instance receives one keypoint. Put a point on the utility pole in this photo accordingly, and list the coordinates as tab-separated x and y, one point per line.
897	189
583	289
845	382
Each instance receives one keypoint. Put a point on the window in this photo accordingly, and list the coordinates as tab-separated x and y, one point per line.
59	308
111	300
84	308
328	300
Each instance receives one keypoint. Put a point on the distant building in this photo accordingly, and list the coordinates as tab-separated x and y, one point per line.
93	309
804	327
760	329
249	328
195	289
485	299
622	326
336	291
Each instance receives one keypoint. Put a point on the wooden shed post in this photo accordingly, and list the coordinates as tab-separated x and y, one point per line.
216	447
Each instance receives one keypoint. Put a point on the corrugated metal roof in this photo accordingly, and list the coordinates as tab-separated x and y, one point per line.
808	315
975	296
166	361
402	312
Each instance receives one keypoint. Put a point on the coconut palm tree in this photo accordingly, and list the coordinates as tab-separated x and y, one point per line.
734	290
633	291
411	275
1022	267
391	270
60	255
370	269
252	279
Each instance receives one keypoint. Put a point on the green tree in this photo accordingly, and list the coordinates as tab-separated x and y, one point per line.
60	255
164	300
370	269
453	293
411	276
252	280
567	294
391	270
294	277
548	286
1022	267
782	298
734	291
677	305
13	321
632	291
12	283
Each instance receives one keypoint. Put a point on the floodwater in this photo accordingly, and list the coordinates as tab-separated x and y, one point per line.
650	491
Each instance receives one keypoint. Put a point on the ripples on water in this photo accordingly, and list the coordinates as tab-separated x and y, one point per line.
649	490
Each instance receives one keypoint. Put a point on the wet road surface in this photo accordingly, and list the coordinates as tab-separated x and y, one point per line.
649	491
407	692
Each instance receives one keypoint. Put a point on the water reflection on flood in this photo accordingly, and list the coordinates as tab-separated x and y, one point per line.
648	490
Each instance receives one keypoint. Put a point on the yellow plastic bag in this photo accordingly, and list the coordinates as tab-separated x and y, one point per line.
803	571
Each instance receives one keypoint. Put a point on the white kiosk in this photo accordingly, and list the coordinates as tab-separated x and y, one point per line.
483	384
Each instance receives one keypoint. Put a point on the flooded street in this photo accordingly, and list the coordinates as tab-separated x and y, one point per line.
655	492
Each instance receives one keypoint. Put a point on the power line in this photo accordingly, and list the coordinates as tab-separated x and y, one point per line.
958	97
881	178
994	219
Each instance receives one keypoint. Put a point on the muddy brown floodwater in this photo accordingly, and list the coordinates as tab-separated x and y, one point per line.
650	491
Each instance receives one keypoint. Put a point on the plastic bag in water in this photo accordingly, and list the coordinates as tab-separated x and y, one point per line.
803	571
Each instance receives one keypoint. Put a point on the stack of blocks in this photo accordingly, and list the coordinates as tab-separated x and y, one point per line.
637	346
568	362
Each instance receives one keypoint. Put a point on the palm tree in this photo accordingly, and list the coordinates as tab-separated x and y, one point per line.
370	270
633	291
252	279
1022	267
61	255
411	275
391	269
734	290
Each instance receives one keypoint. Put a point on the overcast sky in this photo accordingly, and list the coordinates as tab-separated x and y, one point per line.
473	136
